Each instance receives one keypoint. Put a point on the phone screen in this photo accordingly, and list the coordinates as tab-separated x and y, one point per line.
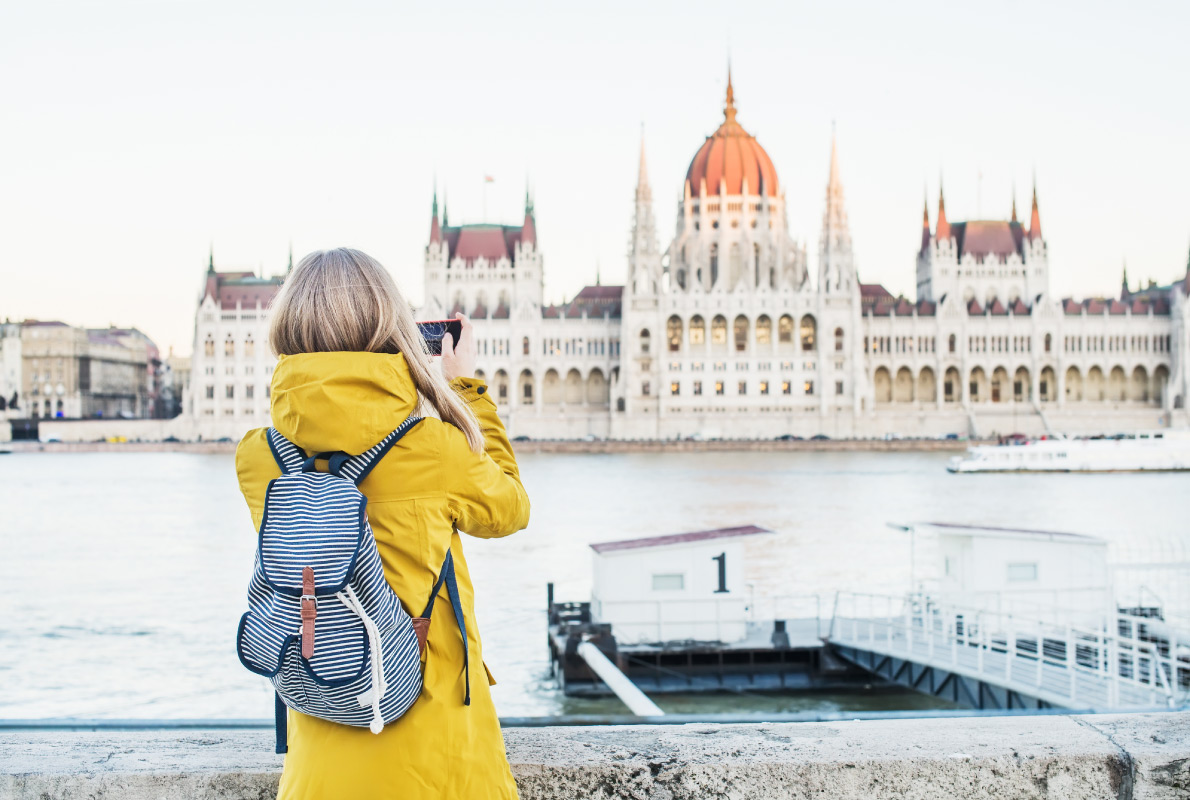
433	331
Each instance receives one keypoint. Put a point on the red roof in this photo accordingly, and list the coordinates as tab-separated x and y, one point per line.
988	237
678	538
997	308
973	308
491	242
733	156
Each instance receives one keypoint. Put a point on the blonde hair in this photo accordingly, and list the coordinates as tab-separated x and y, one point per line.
344	300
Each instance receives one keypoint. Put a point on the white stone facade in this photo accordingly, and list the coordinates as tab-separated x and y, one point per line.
725	333
231	365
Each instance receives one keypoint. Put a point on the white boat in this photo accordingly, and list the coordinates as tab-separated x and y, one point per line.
1136	452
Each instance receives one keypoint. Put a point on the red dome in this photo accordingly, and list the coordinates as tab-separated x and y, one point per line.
733	155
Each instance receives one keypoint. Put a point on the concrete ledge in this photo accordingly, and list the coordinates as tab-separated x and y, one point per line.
1144	756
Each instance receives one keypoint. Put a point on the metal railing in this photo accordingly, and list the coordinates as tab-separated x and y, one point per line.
1114	666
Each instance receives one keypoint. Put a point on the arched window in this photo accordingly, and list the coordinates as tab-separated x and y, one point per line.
698	330
1049	341
740	328
673	333
838	340
785	329
525	345
808	333
208	347
719	330
249	347
714	264
764	330
229	346
644	341
951	343
756	263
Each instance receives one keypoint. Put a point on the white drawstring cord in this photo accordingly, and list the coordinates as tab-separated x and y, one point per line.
379	687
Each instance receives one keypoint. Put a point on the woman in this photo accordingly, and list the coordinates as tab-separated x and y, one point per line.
351	366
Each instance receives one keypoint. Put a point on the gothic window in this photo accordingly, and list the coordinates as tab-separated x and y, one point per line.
714	264
719	330
785	329
229	346
756	263
208	347
740	328
229	391
645	388
644	341
673	333
249	348
1048	342
808	331
764	330
525	345
951	343
698	330
838	340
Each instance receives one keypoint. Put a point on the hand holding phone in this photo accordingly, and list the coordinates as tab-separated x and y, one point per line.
433	331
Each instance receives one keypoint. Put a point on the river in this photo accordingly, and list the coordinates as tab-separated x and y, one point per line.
124	574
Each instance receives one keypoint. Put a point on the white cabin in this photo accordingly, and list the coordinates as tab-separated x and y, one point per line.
676	588
1023	571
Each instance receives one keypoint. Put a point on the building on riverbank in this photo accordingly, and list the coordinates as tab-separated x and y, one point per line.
732	332
69	372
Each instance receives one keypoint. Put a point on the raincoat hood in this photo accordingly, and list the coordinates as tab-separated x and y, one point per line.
340	401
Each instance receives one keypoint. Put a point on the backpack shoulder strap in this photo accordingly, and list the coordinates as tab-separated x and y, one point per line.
356	468
289	456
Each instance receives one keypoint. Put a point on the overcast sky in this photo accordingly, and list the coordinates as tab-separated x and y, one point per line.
135	134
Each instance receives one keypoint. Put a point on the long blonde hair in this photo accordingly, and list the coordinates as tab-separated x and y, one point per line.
344	300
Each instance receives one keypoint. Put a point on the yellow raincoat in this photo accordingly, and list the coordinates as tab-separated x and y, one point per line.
426	487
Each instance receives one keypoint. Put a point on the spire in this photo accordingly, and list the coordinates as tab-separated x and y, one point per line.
925	223
942	232
729	106
1035	218
289	269
445	219
1124	291
435	228
529	230
1014	219
836	272
644	193
598	273
211	260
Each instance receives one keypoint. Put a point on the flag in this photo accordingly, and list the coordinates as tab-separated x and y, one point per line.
488	179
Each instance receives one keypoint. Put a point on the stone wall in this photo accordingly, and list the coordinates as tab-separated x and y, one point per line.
1125	756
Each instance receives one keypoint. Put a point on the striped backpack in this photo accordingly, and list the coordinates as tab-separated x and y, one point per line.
322	622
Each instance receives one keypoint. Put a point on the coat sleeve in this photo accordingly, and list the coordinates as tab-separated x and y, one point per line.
484	489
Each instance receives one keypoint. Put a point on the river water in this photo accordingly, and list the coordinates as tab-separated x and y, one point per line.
124	575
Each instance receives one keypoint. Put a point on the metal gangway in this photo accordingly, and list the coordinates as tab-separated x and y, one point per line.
989	658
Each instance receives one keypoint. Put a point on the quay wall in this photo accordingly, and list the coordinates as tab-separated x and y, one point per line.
1121	757
546	446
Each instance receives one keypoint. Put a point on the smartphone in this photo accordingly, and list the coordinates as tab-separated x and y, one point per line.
434	330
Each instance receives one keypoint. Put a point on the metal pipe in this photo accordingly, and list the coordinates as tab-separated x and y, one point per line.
636	700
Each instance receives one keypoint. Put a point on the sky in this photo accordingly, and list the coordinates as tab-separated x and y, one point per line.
136	135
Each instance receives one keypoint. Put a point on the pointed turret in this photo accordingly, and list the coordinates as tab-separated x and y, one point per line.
1014	219
836	272
1124	291
942	233
289	268
644	193
445	218
925	224
435	228
529	231
1035	217
211	259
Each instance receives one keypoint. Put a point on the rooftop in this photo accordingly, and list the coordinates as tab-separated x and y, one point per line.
678	538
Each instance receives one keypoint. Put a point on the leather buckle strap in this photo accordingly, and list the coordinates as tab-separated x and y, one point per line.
309	612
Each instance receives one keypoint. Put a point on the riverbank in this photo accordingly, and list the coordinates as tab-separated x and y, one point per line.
1118	756
555	446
